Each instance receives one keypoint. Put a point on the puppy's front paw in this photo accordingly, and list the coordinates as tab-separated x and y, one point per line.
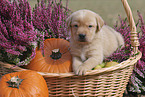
82	69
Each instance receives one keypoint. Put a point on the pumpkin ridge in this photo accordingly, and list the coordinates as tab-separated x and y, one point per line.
58	68
15	93
21	91
65	50
33	66
55	68
46	50
59	44
32	86
51	43
44	66
10	92
46	46
61	68
64	66
48	68
69	68
40	59
65	57
65	47
28	93
5	92
52	68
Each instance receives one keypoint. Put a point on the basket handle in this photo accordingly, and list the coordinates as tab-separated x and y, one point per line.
133	37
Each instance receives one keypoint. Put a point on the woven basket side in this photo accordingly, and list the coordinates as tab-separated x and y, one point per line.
4	70
111	84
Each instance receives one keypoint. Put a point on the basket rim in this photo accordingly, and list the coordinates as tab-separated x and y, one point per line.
131	61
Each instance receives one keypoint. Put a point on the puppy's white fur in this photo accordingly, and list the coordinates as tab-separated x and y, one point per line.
100	40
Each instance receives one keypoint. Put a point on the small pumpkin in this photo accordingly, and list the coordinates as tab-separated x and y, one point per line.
23	84
56	59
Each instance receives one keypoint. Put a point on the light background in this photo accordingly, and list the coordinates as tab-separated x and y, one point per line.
108	9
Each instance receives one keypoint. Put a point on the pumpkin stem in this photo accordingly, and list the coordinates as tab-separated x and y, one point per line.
14	82
56	54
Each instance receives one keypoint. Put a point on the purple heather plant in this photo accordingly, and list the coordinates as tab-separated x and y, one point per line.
17	35
136	83
137	80
49	19
122	54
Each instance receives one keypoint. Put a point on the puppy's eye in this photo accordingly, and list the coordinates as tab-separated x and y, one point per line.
90	26
75	26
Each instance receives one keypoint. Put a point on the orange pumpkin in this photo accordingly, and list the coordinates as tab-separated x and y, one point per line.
23	84
56	59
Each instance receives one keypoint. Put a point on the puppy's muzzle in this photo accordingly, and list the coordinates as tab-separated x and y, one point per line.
82	37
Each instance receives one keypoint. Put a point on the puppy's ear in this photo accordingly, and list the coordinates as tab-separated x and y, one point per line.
100	22
68	22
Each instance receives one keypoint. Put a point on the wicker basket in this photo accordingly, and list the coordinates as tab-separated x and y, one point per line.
109	82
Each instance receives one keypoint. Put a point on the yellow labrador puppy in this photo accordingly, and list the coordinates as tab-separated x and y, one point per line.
91	41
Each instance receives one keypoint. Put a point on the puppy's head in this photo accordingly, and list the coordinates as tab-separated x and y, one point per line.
83	25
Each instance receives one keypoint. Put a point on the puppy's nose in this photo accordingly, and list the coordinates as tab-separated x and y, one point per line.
82	36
